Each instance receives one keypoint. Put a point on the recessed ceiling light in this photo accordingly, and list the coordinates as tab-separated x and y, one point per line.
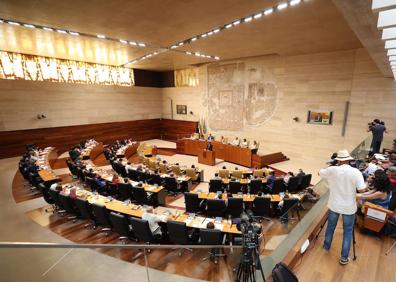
155	53
61	31
282	6
1	21
123	41
149	55
133	43
228	26
295	2
74	33
188	53
193	39
142	44
181	44
101	36
216	30
13	23
248	19
268	11
210	33
29	25
236	23
204	35
197	54
48	29
173	47
257	16
217	58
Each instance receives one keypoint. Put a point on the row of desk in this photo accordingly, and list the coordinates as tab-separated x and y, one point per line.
226	152
47	158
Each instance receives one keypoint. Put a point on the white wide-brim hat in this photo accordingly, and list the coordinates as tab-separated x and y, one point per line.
343	155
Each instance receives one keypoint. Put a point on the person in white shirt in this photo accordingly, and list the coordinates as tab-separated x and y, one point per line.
371	168
235	142
153	221
244	143
343	182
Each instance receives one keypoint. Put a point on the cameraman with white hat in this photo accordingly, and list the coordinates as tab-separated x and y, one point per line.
343	181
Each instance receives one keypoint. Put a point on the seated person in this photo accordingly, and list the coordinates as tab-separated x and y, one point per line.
210	225
371	168
217	176
380	192
287	177
116	179
270	179
128	167
153	221
99	181
392	176
224	173
211	137
300	174
254	147
223	140
244	143
267	170
235	142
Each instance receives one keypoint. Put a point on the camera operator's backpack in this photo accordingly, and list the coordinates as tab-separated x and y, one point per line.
281	273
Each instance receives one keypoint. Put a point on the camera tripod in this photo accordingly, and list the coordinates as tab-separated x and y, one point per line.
249	264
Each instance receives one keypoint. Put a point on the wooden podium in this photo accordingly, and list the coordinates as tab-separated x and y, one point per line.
207	157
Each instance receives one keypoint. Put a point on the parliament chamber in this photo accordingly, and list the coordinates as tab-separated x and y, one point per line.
198	141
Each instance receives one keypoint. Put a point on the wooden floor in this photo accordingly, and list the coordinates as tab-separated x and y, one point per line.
371	264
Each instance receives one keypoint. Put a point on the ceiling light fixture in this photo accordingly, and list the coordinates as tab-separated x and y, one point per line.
216	30
295	2
13	23
132	43
228	26
141	44
181	44
1	21
257	16
193	39
61	31
29	25
282	6
74	33
101	36
204	35
48	29
236	23
217	58
210	33
123	41
248	19
173	47
268	11
188	53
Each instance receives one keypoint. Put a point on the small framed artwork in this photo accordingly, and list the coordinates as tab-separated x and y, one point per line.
320	117
181	109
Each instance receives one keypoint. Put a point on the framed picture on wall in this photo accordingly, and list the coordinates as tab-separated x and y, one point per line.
181	109
320	117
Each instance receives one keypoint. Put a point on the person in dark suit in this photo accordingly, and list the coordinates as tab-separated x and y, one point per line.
211	137
209	146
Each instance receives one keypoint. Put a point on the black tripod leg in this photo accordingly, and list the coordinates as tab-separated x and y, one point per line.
354	242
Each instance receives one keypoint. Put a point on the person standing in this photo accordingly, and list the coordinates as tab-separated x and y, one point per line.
377	129
343	181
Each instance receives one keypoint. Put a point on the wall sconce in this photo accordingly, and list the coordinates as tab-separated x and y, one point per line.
296	119
41	116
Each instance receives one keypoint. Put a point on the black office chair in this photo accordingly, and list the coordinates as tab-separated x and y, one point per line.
305	182
192	202
101	215
178	234
171	185
262	207
124	191
85	210
122	171
289	206
278	186
58	208
133	175
156	179
234	187
215	207
255	186
216	185
292	185
212	237
112	190
121	226
67	204
142	233
235	207
141	196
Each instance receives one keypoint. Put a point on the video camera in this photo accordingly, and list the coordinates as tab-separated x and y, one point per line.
250	230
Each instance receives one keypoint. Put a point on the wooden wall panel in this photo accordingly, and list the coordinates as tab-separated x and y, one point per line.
63	138
173	130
